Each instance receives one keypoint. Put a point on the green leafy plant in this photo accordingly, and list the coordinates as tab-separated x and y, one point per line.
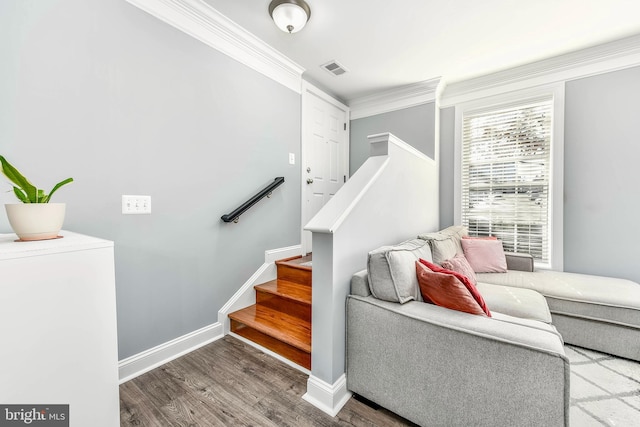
23	189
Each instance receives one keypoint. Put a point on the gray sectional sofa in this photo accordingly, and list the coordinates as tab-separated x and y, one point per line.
600	313
436	366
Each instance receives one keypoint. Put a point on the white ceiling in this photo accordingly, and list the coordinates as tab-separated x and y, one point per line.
385	44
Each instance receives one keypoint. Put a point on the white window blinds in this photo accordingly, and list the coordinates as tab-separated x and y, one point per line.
506	155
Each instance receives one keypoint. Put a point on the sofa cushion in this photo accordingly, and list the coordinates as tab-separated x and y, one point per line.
465	281
517	302
485	255
443	247
460	265
457	231
519	261
599	298
445	244
392	271
534	324
499	329
446	290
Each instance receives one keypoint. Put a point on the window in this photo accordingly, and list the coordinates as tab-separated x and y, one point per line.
506	175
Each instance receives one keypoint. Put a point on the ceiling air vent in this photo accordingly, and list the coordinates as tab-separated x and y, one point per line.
334	68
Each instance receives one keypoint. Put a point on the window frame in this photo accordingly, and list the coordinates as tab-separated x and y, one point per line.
556	170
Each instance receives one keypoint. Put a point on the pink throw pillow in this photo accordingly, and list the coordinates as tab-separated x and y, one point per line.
463	279
445	290
485	255
459	264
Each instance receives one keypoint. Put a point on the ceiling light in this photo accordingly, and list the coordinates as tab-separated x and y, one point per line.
289	15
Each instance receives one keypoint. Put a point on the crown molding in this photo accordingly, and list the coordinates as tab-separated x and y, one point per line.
203	22
607	57
394	99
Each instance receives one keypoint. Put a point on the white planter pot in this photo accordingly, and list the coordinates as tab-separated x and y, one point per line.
36	221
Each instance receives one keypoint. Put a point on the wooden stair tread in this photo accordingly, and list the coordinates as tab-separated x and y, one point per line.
293	270
296	262
286	289
279	325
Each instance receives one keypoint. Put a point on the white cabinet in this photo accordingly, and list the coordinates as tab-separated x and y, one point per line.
58	326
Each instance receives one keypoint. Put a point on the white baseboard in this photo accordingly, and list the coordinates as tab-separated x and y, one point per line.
329	398
147	360
274	255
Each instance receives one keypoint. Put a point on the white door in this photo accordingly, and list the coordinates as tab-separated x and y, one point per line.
325	152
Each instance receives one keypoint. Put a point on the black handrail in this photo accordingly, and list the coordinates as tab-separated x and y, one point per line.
265	192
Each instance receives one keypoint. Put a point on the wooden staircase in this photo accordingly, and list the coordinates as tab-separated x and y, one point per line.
280	320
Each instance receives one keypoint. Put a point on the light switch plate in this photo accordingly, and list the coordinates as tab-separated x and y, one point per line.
292	158
135	205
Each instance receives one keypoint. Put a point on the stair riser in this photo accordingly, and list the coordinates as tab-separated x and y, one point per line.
277	324
298	309
293	274
285	350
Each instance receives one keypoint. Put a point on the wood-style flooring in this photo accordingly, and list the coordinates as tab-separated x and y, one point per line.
229	383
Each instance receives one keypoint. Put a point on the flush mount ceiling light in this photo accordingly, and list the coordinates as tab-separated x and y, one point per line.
289	15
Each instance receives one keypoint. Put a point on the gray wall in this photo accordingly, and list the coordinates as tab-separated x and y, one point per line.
414	125
602	148
601	173
446	162
126	104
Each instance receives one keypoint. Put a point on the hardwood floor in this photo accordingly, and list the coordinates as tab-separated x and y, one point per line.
229	383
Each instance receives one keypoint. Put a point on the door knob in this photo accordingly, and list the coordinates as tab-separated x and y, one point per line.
309	181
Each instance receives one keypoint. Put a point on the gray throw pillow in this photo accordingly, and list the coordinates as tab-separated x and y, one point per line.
445	244
392	271
443	250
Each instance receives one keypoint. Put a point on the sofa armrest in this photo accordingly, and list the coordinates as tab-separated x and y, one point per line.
360	284
519	261
435	366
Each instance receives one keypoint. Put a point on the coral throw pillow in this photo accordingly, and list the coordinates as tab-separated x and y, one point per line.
470	287
459	264
485	255
446	291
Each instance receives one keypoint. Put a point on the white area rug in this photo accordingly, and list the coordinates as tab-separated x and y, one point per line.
605	390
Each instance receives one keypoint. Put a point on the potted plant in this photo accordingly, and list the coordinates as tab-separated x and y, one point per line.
35	218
